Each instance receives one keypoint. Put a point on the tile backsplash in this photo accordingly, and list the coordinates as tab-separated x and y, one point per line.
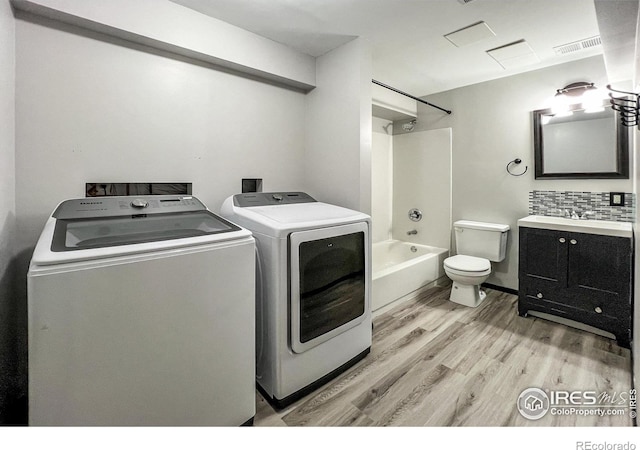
554	203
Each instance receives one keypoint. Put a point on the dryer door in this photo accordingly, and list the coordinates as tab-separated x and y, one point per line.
330	278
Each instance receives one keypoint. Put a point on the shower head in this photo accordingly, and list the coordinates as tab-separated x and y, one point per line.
409	126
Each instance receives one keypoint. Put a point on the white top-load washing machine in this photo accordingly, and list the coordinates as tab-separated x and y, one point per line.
141	311
313	291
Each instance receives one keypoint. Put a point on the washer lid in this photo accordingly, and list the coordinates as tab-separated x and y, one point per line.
467	263
88	229
81	234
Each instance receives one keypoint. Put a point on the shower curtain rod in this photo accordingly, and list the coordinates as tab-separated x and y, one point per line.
410	96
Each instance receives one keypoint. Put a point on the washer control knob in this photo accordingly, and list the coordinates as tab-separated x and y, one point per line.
277	197
139	203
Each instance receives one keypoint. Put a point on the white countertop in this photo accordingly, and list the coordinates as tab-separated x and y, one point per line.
602	227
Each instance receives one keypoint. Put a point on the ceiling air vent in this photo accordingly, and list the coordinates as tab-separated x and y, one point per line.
578	45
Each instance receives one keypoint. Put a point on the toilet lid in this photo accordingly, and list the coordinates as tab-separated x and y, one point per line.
467	263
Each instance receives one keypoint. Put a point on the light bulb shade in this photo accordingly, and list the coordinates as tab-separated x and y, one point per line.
592	100
560	105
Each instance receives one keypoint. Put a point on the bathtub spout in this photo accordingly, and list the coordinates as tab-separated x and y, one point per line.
412	232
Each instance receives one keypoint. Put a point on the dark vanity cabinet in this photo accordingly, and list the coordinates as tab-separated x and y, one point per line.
583	277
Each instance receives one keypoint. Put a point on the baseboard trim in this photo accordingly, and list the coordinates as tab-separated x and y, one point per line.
500	288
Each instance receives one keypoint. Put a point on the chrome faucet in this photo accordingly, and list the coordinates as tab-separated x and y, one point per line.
578	216
412	232
585	215
573	215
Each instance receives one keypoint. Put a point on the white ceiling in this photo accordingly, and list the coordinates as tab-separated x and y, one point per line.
407	40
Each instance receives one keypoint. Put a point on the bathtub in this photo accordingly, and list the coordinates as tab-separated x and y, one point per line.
399	268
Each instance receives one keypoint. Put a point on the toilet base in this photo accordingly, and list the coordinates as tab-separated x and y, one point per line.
467	294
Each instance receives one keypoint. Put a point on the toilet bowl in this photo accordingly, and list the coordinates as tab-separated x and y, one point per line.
477	244
467	274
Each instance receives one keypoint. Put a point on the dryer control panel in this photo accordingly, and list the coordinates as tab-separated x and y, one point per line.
271	198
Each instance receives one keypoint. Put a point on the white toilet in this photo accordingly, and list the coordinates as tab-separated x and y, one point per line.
477	243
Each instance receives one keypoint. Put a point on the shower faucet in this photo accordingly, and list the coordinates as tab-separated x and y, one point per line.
412	232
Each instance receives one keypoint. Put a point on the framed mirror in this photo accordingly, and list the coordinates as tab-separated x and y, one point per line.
580	145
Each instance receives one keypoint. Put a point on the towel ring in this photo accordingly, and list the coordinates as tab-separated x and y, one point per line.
516	161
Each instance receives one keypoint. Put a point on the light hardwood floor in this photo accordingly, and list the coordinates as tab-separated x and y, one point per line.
436	363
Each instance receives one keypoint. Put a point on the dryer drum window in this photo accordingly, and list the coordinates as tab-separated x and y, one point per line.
332	283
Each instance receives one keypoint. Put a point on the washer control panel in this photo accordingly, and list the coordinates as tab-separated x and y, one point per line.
84	208
271	198
139	203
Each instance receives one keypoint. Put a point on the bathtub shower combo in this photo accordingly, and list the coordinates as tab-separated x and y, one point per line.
400	268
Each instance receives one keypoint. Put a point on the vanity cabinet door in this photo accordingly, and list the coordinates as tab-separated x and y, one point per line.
599	264
599	275
543	257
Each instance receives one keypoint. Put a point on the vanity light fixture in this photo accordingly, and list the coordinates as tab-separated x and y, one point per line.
580	92
575	89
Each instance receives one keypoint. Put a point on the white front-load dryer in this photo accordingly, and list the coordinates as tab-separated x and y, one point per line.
141	312
313	289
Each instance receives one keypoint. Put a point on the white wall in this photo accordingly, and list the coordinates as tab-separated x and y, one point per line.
92	110
337	157
172	27
11	314
422	180
492	125
382	179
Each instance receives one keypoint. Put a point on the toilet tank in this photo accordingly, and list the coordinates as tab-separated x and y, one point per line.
481	239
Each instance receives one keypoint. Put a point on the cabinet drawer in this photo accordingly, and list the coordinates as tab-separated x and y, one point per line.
527	303
603	320
593	301
597	302
543	290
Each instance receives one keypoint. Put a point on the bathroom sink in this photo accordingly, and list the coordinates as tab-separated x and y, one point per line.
604	227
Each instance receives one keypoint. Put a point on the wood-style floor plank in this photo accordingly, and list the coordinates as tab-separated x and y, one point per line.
436	363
